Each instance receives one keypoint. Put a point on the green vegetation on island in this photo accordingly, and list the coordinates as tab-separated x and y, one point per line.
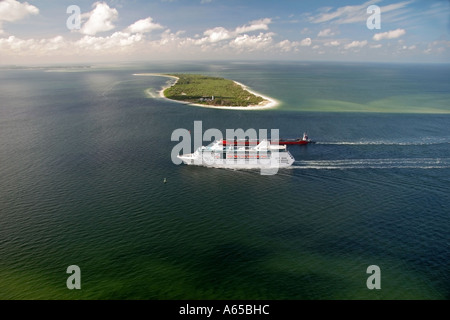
211	91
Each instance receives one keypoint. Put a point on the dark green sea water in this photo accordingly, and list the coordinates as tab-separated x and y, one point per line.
84	151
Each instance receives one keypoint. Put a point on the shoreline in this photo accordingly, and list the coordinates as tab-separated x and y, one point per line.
269	103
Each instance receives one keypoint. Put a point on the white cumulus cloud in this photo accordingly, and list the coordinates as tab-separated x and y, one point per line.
12	10
306	42
216	34
219	33
33	47
286	45
325	33
262	24
356	44
100	19
334	43
251	43
143	26
389	34
117	41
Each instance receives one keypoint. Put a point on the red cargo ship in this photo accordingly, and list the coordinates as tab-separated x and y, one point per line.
299	141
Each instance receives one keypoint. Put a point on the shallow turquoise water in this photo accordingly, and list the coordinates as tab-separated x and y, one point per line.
83	155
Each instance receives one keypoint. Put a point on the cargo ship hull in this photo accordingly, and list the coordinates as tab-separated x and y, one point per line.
299	141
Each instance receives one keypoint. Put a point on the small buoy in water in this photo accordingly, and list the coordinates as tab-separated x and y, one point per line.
165	180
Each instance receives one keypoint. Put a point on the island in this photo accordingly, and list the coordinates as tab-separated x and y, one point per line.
211	92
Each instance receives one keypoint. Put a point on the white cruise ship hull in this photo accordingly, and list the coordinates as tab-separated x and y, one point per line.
248	161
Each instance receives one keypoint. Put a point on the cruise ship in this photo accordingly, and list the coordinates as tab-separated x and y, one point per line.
220	155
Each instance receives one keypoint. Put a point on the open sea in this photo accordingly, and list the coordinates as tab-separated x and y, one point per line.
84	151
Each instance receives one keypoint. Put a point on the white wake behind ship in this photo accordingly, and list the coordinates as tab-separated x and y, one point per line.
220	155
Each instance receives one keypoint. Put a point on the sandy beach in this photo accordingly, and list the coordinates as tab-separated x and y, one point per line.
268	102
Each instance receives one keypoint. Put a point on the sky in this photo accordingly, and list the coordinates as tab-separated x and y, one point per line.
82	31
